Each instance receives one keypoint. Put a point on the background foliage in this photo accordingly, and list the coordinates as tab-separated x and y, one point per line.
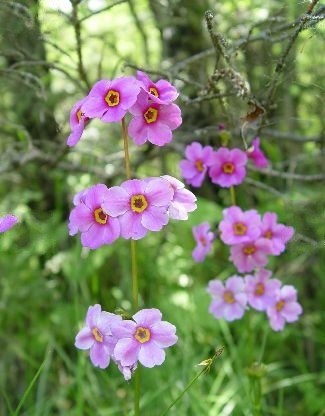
249	54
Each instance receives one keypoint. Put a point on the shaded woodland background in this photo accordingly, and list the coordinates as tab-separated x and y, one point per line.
230	61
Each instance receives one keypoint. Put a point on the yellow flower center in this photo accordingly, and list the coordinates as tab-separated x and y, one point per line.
142	334
228	168
199	165
97	334
229	297
203	241
259	289
240	228
138	203
154	91
268	234
151	115
100	216
112	98
279	305
248	250
79	115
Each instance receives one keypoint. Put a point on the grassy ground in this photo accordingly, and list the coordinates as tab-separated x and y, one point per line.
48	281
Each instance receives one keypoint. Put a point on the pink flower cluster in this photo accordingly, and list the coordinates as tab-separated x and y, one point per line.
204	238
154	115
232	298
103	214
252	238
225	167
126	342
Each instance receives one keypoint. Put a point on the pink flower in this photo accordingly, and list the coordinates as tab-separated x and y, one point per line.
88	217
110	100
183	200
78	122
229	300
248	256
204	238
7	222
194	167
152	121
126	370
228	167
256	154
97	337
285	309
239	226
143	339
277	234
141	205
261	290
161	92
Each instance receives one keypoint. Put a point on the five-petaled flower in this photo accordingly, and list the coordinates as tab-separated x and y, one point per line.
195	166
261	290
228	167
183	202
203	237
250	255
229	300
143	339
78	122
277	234
256	154
152	121
110	100
97	336
96	227
239	226
7	222
161	92
140	205
285	308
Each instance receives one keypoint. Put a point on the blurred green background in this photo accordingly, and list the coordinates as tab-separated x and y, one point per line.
51	53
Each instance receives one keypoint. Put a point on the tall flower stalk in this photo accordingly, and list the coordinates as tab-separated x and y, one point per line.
134	268
131	211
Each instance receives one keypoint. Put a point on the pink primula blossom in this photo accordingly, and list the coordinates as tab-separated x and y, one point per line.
152	121
285	308
250	255
256	154
78	122
183	202
161	92
143	339
141	205
228	167
7	222
96	227
261	290
239	226
195	166
229	300
203	237
97	336
110	100
277	234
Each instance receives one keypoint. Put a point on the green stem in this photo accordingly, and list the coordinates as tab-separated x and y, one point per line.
137	392
183	392
134	271
135	287
207	365
126	149
232	196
